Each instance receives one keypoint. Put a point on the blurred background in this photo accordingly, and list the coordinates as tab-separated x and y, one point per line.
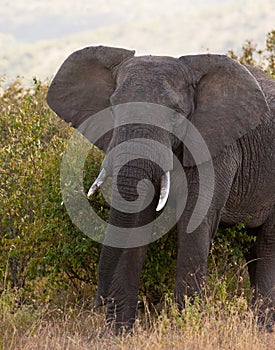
36	35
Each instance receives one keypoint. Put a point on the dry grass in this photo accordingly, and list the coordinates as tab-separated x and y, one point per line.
73	328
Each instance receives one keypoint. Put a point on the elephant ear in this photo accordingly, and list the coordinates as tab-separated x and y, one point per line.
267	84
229	102
84	84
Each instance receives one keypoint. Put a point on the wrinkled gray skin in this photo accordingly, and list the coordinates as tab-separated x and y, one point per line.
235	115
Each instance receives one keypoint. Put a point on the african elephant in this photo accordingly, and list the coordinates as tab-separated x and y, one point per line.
232	107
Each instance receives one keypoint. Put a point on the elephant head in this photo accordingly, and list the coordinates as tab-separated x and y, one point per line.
218	95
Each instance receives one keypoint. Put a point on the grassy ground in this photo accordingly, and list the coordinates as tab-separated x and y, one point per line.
224	326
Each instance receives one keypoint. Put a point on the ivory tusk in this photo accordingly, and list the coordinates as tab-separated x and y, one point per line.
164	190
98	182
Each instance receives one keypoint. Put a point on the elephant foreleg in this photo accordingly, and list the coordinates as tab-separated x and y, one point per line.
123	290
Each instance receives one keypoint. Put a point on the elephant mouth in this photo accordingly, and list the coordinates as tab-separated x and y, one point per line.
164	187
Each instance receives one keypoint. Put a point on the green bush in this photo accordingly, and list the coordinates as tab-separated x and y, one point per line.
42	253
39	244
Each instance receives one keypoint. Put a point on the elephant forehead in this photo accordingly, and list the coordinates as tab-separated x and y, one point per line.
150	66
153	79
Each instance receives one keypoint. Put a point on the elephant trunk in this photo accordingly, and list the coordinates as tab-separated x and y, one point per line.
139	178
124	248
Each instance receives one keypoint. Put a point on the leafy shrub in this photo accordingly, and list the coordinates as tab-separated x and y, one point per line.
38	241
263	58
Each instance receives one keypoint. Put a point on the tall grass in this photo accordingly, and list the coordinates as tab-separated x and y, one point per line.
228	325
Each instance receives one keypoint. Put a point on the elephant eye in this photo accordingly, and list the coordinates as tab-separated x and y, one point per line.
112	111
178	113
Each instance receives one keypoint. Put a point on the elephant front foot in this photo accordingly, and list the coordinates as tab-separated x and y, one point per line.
112	328
264	316
263	309
185	296
119	320
265	321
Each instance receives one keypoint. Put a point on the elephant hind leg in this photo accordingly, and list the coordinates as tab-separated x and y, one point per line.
192	258
251	259
265	272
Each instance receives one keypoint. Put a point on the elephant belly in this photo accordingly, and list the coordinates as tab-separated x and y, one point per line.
252	218
251	208
251	195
